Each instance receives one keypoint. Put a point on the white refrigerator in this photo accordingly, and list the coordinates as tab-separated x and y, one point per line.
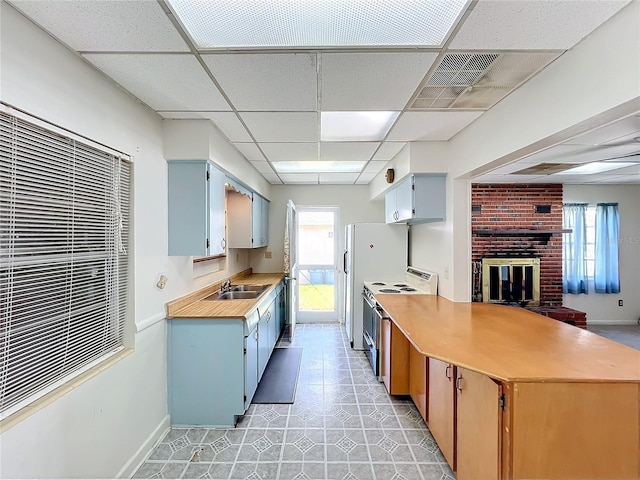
373	252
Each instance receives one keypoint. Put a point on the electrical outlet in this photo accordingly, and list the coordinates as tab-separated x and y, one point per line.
446	272
237	258
267	254
619	303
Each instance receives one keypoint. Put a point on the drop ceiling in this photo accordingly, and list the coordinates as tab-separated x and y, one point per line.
268	100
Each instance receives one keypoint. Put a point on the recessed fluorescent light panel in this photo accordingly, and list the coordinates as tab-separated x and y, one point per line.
355	126
596	167
315	166
216	24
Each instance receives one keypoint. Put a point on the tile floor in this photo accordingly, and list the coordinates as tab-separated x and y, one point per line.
343	425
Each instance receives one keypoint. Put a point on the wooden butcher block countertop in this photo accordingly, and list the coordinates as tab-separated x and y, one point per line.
194	305
509	343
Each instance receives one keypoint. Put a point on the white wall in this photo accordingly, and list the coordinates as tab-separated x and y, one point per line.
599	307
97	429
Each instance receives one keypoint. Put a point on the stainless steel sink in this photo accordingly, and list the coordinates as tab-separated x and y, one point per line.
234	296
249	288
240	292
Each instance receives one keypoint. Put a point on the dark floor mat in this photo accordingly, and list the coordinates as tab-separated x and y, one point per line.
280	378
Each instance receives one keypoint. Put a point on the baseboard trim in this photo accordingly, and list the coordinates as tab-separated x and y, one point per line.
149	444
611	322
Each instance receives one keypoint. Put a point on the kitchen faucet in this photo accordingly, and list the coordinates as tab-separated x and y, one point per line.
225	286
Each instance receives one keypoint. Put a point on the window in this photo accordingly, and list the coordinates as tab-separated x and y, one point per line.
590	253
64	228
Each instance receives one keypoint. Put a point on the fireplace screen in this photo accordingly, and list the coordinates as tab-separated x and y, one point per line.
507	280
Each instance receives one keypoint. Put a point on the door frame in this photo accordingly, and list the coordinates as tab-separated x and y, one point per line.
306	316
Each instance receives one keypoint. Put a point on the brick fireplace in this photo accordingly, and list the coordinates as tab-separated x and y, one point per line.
521	222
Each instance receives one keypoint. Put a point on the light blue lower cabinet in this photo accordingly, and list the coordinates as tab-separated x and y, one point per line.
215	365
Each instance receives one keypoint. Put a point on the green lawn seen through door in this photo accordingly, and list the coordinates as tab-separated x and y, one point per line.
317	297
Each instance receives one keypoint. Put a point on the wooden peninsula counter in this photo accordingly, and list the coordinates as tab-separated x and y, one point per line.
510	394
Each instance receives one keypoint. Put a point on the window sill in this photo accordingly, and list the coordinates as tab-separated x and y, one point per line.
46	400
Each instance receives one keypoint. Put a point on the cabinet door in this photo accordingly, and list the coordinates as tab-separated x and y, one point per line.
442	397
394	358
478	426
263	344
404	199
250	366
256	220
385	353
273	326
196	209
216	221
418	380
264	225
187	206
429	197
390	206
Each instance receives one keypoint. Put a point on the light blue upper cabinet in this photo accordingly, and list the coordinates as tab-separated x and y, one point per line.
196	208
248	220
417	199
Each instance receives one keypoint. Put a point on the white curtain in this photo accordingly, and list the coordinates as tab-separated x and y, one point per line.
574	247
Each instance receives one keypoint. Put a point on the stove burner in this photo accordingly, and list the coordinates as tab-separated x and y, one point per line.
377	283
408	289
400	285
389	290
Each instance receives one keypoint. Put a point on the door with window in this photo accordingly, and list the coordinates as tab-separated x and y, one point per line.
317	251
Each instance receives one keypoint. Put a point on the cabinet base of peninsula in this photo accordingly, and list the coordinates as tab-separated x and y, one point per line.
524	430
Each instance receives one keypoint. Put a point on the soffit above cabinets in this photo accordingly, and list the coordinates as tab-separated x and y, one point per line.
269	101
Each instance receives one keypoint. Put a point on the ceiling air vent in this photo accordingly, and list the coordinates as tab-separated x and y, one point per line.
478	80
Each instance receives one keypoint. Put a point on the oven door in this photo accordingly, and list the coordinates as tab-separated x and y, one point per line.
370	340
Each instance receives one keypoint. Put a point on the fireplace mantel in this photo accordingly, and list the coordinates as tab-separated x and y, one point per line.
543	235
519	232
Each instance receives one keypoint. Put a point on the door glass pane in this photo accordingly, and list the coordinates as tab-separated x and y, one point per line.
316	255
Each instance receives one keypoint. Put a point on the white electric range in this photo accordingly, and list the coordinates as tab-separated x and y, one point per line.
417	282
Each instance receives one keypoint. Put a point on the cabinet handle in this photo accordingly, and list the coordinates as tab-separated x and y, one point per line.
447	371
459	383
223	243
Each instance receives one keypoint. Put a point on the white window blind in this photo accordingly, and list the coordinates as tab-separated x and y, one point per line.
64	229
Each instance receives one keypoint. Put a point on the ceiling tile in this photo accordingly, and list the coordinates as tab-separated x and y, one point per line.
388	150
371	81
299	178
106	26
164	82
280	152
227	123
536	25
272	178
282	126
365	178
338	178
436	126
375	166
263	167
354	151
250	151
267	82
